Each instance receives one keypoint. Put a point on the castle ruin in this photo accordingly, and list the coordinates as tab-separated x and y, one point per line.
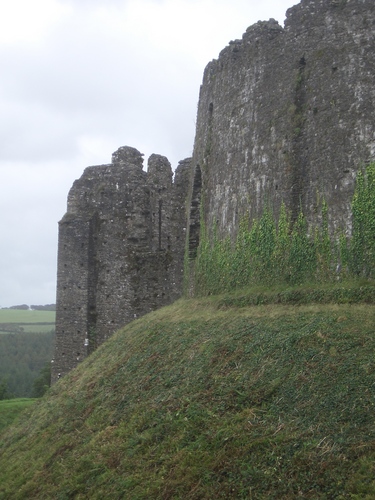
121	247
286	114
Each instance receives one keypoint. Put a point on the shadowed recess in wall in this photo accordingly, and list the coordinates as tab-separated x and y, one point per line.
194	226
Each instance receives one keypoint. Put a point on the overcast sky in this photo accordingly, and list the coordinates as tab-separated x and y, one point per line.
79	79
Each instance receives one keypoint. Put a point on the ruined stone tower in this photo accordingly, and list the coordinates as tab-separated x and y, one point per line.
121	246
286	114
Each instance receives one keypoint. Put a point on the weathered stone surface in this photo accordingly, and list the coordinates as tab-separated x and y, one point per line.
127	155
121	246
288	114
285	114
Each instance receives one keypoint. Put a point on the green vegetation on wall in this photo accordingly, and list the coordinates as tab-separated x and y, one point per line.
267	252
361	251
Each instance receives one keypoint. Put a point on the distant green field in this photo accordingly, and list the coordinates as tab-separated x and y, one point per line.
22	316
21	321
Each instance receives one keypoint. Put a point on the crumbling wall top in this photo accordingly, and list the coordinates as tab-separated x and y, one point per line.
159	170
308	13
182	172
129	156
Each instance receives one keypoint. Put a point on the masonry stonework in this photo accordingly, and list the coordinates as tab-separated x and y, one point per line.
286	114
121	246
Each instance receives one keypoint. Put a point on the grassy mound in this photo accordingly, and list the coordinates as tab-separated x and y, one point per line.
11	408
206	399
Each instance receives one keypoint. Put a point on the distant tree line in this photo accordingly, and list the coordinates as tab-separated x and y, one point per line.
25	364
25	307
47	307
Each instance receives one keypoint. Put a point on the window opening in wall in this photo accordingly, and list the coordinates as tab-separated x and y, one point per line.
195	209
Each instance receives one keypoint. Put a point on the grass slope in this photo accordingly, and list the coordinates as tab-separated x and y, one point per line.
10	410
205	399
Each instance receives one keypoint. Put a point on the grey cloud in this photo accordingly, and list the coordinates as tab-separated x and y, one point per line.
69	102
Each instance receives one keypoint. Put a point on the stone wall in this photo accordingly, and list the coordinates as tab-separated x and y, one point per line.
288	114
284	114
121	246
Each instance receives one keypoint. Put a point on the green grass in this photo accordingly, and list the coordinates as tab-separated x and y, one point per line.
16	320
209	398
22	316
10	410
358	291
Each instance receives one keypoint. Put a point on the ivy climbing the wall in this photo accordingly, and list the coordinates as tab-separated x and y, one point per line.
269	252
362	244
